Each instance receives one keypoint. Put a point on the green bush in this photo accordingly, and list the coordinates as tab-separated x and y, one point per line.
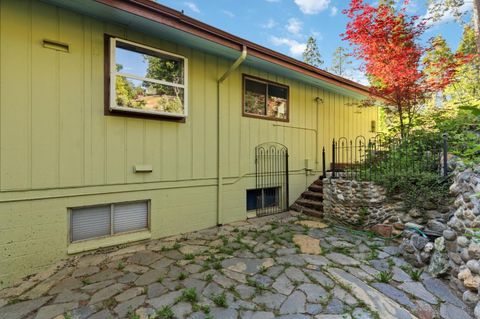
417	189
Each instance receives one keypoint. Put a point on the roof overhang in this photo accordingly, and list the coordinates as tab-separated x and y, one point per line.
152	18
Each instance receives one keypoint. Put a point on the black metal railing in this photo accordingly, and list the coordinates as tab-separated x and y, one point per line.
367	159
271	171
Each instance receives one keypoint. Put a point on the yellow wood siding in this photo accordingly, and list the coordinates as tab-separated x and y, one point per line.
59	150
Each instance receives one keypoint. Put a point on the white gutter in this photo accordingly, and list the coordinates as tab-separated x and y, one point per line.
232	68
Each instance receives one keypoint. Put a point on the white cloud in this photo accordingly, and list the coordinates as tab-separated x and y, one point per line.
317	35
312	6
228	13
269	24
356	75
295	48
448	16
294	26
333	11
192	6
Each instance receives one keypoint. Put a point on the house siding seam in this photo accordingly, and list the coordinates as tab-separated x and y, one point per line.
59	150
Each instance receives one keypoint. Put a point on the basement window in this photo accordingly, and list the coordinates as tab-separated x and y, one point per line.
260	198
265	99
147	80
107	220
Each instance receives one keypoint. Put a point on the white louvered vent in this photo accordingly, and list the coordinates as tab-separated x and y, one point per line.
130	216
90	222
106	220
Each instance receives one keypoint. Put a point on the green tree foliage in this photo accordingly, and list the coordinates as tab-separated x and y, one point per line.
312	55
439	8
169	70
126	93
340	61
435	56
466	90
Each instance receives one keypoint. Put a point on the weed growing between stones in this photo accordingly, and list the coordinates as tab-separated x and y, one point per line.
373	254
390	263
110	303
259	287
220	300
165	313
182	276
384	276
120	265
14	301
189	295
415	274
209	277
86	282
131	314
160	280
189	256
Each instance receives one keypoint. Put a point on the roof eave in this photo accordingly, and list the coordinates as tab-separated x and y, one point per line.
161	14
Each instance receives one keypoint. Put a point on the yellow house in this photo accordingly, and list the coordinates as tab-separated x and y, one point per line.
124	120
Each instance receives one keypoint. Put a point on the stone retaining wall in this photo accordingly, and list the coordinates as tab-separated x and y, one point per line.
361	204
461	240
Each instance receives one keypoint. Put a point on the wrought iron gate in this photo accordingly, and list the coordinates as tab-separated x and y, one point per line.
271	162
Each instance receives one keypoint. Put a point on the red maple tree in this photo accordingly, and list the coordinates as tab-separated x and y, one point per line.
386	40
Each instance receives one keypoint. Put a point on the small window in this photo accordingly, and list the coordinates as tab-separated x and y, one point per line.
263	198
264	99
147	80
107	220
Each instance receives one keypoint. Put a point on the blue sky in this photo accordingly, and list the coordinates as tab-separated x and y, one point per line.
285	25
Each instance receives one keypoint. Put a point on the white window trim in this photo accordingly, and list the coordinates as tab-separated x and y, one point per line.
113	75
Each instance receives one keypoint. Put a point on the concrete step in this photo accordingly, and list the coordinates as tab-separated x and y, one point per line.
307	211
315	188
312	195
317	205
318	182
312	212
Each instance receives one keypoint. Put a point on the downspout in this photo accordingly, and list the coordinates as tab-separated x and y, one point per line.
232	68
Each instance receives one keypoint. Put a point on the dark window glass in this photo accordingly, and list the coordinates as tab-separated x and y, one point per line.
262	198
254	199
266	99
255	97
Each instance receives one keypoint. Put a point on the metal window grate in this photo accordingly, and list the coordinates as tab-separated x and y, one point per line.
106	220
130	216
90	222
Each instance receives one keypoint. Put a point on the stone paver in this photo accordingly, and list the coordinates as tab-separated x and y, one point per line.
307	244
370	296
263	268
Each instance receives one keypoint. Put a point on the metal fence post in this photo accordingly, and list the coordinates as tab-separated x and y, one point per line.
445	155
324	171
333	158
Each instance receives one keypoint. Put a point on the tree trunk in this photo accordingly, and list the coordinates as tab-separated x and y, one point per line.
476	22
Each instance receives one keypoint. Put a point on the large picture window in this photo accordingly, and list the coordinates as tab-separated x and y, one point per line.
147	80
265	99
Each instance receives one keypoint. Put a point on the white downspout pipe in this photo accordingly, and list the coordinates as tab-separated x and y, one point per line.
232	68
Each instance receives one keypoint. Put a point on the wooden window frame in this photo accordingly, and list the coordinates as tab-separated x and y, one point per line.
267	82
112	233
110	107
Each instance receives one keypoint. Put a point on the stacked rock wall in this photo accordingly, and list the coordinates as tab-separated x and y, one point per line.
462	238
357	203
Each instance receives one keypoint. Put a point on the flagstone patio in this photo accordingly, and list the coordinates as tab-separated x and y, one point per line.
264	268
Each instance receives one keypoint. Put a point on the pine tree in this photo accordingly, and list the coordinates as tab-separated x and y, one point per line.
466	89
439	8
312	55
438	53
340	61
